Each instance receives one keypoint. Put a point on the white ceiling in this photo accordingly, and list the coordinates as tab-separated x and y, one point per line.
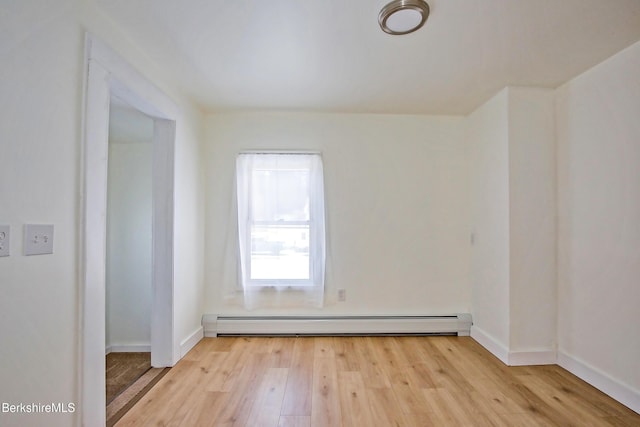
330	55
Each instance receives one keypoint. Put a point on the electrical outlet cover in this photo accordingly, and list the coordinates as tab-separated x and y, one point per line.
5	240
38	239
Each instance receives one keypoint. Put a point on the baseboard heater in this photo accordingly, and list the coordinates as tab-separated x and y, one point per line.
214	325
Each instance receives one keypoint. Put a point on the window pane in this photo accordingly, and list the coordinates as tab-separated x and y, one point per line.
280	252
280	195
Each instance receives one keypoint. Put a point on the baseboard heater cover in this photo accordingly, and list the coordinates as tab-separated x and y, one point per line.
457	324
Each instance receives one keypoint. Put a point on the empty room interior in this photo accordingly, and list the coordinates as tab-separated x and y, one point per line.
443	175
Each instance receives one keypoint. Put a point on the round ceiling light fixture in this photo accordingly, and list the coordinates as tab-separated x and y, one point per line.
403	16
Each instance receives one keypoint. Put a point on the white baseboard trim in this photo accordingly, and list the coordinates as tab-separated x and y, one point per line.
491	344
128	348
621	392
528	358
512	358
191	341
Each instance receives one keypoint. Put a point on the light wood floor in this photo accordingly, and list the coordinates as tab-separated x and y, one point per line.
367	381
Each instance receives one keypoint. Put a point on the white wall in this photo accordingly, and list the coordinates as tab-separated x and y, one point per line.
598	116
532	225
188	232
487	135
40	110
397	208
41	87
513	206
128	281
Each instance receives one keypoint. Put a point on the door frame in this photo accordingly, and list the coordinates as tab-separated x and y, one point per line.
107	75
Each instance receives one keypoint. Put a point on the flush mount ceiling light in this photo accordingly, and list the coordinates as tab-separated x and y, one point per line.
403	16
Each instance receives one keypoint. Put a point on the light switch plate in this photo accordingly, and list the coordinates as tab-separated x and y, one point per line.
38	239
5	240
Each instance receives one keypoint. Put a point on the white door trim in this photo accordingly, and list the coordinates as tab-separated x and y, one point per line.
107	74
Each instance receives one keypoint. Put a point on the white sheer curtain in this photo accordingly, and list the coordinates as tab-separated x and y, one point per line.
281	231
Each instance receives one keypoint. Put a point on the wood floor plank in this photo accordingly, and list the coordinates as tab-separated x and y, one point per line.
241	355
382	404
412	403
294	421
244	392
561	401
281	352
206	410
583	394
216	370
268	404
373	374
354	400
362	381
444	372
324	347
185	404
401	372
532	404
390	359
437	407
297	397
325	397
496	400
346	354
487	410
419	375
445	410
472	407
147	410
462	360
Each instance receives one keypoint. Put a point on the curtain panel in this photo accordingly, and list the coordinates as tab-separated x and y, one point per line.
281	229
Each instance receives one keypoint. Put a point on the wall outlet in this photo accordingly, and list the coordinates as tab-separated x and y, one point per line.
342	294
38	239
5	240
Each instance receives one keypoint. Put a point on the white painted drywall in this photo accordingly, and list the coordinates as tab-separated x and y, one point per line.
487	135
598	120
532	221
129	214
40	110
513	207
189	229
41	107
396	199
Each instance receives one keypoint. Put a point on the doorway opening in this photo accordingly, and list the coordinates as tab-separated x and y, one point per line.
128	286
129	259
109	77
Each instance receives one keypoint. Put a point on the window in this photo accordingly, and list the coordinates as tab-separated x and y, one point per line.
281	223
